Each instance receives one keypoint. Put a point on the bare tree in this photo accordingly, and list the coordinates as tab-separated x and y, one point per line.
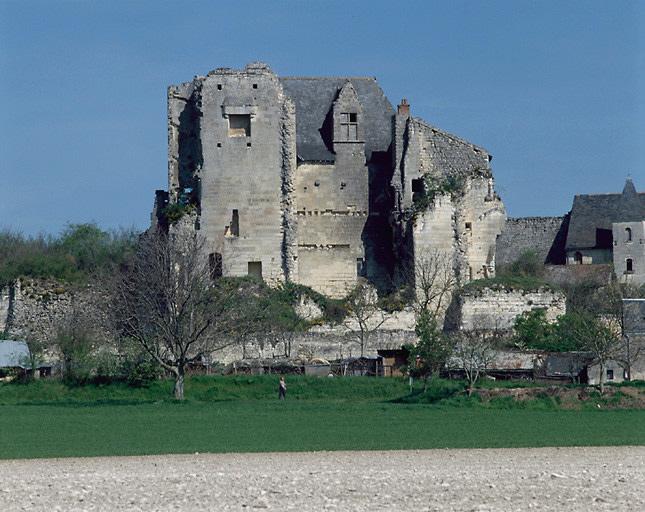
168	302
433	280
364	316
75	340
473	352
630	353
602	341
36	347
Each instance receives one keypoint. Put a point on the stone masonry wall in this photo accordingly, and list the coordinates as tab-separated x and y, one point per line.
498	309
37	307
539	234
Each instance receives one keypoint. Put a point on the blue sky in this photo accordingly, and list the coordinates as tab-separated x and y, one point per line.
554	90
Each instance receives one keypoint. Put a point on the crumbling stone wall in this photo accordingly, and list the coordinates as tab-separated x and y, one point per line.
497	309
38	307
314	180
462	217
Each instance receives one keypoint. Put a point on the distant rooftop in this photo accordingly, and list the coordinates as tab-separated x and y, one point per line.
593	213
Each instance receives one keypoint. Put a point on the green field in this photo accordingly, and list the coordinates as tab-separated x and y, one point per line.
47	419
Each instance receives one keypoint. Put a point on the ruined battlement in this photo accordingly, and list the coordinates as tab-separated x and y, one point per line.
309	179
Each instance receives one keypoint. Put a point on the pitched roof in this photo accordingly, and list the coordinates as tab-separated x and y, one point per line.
591	213
313	97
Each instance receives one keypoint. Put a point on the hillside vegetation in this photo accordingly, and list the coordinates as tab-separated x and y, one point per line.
72	256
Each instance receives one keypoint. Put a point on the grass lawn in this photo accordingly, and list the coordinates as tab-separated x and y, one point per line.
243	415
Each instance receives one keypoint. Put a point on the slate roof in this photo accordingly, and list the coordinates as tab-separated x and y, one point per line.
313	97
591	213
13	354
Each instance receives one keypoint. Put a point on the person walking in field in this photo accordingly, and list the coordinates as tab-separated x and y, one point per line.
282	389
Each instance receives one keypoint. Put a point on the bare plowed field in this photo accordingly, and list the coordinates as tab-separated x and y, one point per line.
606	478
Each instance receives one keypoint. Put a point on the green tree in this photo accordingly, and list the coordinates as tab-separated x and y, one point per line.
533	331
432	350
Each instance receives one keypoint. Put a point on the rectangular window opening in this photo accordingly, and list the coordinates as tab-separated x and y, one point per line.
235	223
255	269
349	126
239	125
610	374
360	267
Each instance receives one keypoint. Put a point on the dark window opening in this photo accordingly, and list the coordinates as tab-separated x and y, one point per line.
628	234
604	238
360	267
469	226
219	144
235	223
255	86
629	265
418	185
215	264
418	189
248	144
348	126
219	87
610	374
239	125
577	257
255	269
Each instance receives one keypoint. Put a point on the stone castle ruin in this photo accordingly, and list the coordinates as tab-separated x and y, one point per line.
320	181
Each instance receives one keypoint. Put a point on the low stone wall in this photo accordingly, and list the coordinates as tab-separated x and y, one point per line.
330	345
498	309
37	307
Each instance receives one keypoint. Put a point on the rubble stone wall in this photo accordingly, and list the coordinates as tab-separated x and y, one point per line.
37	307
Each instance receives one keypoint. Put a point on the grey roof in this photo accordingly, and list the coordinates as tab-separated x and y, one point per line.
313	97
591	213
13	354
566	364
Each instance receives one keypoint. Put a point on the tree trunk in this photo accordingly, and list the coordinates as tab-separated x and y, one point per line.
601	380
179	384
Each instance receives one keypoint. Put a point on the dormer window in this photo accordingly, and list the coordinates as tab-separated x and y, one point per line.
349	126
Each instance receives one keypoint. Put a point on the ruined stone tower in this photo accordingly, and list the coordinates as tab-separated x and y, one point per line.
319	181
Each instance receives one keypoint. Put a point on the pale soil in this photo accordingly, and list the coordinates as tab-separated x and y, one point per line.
568	479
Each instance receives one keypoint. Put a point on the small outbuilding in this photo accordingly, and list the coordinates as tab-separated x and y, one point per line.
14	359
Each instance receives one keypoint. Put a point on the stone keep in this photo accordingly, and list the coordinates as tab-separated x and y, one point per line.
317	180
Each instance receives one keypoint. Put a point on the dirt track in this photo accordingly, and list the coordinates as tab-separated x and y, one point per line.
511	479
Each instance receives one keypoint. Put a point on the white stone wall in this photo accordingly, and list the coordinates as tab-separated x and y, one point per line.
498	309
480	220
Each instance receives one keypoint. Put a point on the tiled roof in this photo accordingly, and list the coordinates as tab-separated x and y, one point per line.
313	98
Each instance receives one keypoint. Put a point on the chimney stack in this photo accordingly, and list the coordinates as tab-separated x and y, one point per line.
404	108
